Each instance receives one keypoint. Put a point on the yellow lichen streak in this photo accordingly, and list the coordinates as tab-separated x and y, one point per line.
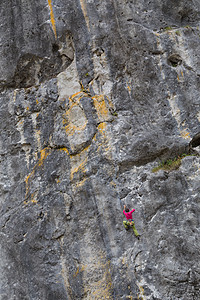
75	123
185	134
102	128
53	22
33	199
79	162
84	10
101	107
43	155
65	150
79	270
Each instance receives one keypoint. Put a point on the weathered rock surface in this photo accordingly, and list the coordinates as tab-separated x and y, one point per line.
93	95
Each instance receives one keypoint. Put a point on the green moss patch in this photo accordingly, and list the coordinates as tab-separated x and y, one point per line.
171	164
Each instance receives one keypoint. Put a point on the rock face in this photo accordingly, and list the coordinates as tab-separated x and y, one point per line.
93	95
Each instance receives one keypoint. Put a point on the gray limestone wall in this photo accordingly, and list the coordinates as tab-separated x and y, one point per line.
93	96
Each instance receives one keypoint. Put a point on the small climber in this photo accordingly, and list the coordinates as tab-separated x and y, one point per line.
130	223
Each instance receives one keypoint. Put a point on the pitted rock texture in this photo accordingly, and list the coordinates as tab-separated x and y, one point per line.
94	94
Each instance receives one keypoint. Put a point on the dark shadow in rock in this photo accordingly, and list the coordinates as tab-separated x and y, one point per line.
174	60
36	66
195	142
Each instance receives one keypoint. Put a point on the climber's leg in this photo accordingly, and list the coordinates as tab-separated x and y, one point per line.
126	225
134	229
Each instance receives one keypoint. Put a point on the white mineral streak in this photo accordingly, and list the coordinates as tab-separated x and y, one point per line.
198	116
25	146
101	83
36	132
68	82
66	48
173	99
176	112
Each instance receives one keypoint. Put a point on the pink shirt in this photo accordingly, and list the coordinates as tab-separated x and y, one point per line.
129	214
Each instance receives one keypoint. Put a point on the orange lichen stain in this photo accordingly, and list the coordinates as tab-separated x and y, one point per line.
64	149
64	121
76	94
101	103
102	127
182	73
101	107
71	124
74	122
104	144
53	22
27	108
78	162
43	155
83	153
81	183
83	268
95	137
79	270
80	167
178	77
71	128
26	181
57	180
185	134
37	101
34	201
